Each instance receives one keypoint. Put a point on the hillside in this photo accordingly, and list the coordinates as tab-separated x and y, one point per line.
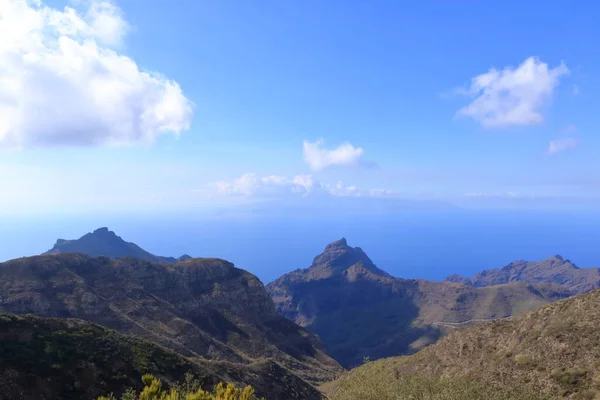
69	359
103	242
552	270
197	307
361	311
553	351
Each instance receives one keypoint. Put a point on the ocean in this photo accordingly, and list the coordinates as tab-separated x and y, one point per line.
429	245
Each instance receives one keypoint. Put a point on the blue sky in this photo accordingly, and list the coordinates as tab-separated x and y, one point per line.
262	94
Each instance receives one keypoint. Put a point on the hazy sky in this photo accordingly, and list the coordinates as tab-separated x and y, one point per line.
176	104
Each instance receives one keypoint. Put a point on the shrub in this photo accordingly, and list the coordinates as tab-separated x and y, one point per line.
189	390
523	359
568	376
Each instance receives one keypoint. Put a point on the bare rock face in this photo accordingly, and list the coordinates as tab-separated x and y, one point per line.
360	311
197	307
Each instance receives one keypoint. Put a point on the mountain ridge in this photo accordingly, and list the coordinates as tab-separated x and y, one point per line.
198	307
361	311
554	269
104	242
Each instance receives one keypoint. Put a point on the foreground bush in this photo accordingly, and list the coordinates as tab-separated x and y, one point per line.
189	390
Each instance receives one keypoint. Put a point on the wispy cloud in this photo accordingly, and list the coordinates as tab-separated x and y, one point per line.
560	145
62	81
345	155
495	195
512	96
570	129
274	186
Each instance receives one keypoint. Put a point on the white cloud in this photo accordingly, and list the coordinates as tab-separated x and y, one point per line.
252	185
63	83
559	145
345	155
512	96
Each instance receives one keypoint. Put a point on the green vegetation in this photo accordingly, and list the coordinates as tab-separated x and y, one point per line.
205	309
523	359
190	390
200	308
70	359
82	359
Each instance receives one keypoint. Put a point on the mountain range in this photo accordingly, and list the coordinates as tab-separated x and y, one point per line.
220	322
200	308
360	311
554	269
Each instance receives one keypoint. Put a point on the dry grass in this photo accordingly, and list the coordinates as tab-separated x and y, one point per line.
554	352
364	385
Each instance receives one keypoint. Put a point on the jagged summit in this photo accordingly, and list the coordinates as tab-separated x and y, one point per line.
104	242
338	244
338	257
104	232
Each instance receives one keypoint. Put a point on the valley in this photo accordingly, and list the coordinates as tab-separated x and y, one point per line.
216	321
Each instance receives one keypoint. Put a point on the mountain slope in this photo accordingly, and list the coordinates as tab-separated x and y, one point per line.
103	242
552	270
553	351
360	311
70	359
197	307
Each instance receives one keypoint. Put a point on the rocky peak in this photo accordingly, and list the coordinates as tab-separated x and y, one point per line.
104	233
104	242
456	278
340	244
338	257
